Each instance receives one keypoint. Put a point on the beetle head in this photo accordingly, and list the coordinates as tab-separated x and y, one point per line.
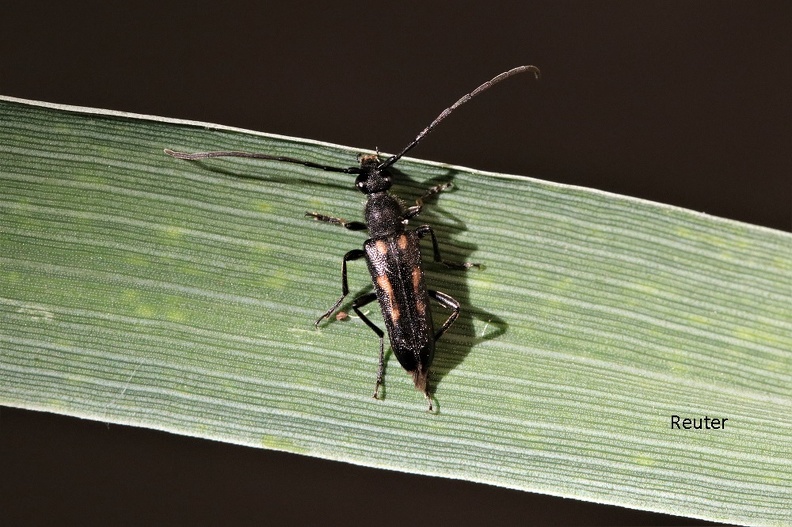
371	179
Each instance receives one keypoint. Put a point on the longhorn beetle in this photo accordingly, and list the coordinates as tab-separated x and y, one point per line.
392	252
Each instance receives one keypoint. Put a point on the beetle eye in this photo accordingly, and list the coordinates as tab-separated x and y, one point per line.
362	182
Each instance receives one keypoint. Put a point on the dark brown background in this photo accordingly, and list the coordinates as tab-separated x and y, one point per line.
680	102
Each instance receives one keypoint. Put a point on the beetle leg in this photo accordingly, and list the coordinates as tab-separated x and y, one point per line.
447	302
356	304
354	254
422	231
351	225
418	207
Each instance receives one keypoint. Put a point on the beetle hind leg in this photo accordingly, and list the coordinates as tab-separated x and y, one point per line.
446	301
356	305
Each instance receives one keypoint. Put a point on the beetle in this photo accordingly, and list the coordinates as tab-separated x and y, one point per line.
392	252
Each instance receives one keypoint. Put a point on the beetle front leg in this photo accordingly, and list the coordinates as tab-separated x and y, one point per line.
422	231
354	254
418	207
356	304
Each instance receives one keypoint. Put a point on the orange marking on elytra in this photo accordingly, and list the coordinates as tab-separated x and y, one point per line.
385	285
402	241
382	247
416	278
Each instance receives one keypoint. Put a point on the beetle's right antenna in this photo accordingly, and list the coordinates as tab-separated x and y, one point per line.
484	87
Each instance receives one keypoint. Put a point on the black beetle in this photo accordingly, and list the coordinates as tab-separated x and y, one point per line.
392	253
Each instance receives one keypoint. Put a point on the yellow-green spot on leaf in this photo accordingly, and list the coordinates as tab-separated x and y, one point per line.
481	282
678	368
277	280
86	177
565	284
699	320
175	315
130	296
783	264
145	311
56	404
190	269
645	288
645	461
173	231
315	204
264	206
746	334
684	232
138	260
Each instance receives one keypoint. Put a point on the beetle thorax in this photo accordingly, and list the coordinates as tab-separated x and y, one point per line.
384	215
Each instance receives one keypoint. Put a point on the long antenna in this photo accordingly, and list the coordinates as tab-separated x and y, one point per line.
484	87
253	155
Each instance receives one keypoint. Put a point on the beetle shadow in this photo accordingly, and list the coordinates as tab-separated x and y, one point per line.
269	178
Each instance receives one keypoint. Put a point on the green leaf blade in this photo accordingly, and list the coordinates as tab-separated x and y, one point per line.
141	289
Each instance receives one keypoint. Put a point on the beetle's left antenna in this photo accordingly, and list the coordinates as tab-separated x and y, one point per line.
254	155
484	87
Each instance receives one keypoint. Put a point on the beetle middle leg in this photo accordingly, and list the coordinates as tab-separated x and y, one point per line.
422	231
354	254
351	225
